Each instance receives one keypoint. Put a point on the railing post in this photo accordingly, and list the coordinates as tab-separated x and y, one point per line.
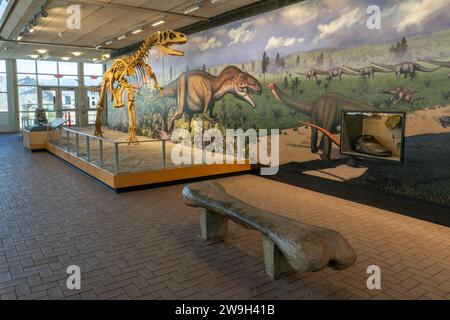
116	158
163	142
77	138
101	153
88	149
60	137
68	141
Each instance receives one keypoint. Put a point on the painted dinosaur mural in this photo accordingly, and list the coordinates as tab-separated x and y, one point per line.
198	91
300	56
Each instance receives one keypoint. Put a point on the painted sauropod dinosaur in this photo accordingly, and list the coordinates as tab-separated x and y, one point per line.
325	112
133	69
445	64
308	75
197	91
401	94
405	68
332	73
368	71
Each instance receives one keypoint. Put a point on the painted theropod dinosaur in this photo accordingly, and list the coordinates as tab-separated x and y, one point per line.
324	112
134	69
405	68
368	71
197	91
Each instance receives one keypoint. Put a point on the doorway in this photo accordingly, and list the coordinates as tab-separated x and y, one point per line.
60	102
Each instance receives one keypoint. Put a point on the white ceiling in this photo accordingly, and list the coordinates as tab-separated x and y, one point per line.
101	20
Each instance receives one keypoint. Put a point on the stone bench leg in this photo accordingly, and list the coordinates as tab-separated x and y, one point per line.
212	225
274	261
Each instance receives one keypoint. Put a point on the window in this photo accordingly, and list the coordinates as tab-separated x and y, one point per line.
47	67
93	74
3	87
68	68
93	69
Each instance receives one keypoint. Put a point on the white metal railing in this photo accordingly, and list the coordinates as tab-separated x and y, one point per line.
65	142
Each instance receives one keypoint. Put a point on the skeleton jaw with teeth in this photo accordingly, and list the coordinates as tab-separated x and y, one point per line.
169	38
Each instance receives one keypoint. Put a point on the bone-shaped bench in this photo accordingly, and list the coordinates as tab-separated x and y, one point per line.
287	244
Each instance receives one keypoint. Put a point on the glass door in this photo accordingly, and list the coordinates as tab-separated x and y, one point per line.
93	98
59	103
69	105
47	99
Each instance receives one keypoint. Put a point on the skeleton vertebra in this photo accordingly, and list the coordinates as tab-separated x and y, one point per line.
134	67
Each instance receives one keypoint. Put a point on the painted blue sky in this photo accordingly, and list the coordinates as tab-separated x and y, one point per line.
311	25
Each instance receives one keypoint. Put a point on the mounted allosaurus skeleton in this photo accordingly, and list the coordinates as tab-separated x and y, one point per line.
134	69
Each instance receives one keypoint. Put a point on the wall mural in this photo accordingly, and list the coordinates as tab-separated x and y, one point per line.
305	63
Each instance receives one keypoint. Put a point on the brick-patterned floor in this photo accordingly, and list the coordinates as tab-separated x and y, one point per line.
145	244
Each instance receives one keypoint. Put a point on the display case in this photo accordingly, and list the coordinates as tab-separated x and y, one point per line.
378	135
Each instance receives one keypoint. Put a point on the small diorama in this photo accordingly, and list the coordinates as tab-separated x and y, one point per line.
378	135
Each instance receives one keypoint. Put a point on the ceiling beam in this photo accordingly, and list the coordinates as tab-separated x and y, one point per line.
131	8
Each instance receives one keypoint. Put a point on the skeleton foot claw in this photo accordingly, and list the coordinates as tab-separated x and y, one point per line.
132	138
98	132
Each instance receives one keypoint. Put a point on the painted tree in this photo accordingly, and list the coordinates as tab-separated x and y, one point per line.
204	67
298	60
253	66
264	66
285	83
170	73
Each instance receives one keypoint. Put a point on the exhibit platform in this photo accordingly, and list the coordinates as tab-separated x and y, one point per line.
119	165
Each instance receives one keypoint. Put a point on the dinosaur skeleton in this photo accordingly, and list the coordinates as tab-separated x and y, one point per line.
125	72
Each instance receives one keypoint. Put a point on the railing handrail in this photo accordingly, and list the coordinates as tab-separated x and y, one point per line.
108	140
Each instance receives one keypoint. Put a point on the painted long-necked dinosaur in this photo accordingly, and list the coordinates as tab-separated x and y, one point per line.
405	68
445	64
125	71
332	73
324	112
197	91
368	71
308	74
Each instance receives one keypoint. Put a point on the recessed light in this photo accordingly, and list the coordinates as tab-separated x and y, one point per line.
157	23
31	30
65	58
192	8
122	37
106	56
94	59
137	31
19	38
34	56
109	42
77	54
42	51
